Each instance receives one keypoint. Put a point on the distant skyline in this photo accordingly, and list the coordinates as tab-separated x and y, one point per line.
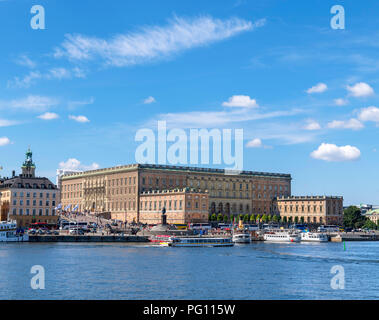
306	95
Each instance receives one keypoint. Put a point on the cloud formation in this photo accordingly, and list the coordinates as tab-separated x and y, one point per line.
369	114
4	141
75	165
353	124
82	119
30	103
312	125
152	43
48	116
149	100
360	89
318	88
255	143
240	101
331	152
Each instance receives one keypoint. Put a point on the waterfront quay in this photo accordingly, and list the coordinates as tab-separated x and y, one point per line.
87	238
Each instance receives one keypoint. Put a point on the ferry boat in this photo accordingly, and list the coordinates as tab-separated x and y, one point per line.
198	242
282	236
8	232
243	237
314	237
159	238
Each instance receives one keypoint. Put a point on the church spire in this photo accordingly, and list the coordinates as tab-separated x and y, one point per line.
28	167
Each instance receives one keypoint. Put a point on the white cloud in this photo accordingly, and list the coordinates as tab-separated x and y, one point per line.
59	73
340	102
312	125
48	116
240	101
149	100
360	89
7	123
25	82
369	114
318	88
353	124
155	42
81	119
255	143
4	141
331	152
23	60
75	164
30	103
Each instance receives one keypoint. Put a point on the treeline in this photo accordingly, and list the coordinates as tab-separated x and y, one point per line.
353	218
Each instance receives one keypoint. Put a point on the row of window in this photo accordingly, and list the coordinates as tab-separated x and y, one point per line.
33	212
27	202
34	195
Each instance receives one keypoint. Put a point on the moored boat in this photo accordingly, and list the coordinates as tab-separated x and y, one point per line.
198	242
282	236
314	237
8	232
242	237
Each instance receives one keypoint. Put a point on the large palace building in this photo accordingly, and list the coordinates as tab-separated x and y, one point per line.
27	198
128	192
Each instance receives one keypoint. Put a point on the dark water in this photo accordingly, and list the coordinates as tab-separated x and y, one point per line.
134	271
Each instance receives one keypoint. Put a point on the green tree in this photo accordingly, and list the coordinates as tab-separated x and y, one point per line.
226	218
296	219
302	220
264	218
246	218
369	224
231	218
352	217
285	219
258	218
213	217
275	218
269	217
240	217
209	217
219	217
289	219
252	218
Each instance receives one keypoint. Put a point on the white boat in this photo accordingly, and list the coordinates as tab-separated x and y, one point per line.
8	232
314	237
243	237
282	236
198	242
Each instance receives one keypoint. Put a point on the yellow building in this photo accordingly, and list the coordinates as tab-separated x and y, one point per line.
118	190
311	209
27	198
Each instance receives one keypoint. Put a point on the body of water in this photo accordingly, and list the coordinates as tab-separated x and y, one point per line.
139	271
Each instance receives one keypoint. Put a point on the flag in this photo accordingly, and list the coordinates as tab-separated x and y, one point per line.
68	207
75	208
59	206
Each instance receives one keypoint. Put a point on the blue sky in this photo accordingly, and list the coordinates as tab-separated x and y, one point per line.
305	94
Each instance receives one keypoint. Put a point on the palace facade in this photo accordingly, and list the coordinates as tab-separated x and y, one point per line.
119	190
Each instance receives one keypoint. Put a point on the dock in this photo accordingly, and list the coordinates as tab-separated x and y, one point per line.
355	236
87	238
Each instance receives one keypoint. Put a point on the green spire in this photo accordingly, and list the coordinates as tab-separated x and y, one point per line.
28	163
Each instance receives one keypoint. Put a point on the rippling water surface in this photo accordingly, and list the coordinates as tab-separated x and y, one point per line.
137	271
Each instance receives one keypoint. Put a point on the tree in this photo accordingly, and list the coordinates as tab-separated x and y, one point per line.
246	218
289	219
258	217
369	224
209	217
285	219
296	219
264	218
240	217
231	218
226	218
269	218
275	218
213	217
252	218
219	217
352	217
302	220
